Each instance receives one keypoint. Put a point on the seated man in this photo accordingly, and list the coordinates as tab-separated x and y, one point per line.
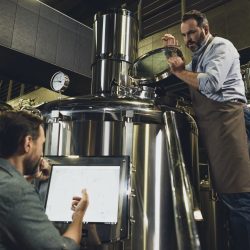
23	223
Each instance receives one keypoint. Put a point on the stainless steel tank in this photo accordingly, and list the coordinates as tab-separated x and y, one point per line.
123	120
113	127
114	50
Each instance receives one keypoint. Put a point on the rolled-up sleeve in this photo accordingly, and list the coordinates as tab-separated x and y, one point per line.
215	69
28	224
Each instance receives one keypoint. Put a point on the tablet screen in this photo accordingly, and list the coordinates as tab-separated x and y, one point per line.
102	184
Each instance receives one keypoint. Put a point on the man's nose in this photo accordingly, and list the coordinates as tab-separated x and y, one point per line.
186	38
189	39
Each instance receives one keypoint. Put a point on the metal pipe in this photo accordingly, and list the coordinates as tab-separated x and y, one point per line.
186	231
195	156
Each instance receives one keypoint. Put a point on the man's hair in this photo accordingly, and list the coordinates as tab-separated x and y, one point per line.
200	17
14	127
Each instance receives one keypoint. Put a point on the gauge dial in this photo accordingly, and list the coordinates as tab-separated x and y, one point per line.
59	81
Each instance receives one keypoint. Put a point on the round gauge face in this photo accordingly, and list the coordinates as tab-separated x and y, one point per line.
59	81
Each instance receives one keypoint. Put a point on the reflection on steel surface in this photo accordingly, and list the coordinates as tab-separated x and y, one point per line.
114	49
153	225
95	126
186	231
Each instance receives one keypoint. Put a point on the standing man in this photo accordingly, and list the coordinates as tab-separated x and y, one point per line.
217	94
23	223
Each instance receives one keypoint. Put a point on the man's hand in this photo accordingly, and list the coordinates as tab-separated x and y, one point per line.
169	40
176	64
80	204
44	170
42	173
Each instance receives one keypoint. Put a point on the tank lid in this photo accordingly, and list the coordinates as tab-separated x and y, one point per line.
75	103
153	66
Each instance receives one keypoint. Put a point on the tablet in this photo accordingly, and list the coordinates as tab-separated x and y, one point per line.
102	183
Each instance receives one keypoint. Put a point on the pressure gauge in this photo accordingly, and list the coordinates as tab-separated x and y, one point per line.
59	81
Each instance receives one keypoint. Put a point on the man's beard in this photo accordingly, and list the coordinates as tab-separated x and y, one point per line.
30	167
196	45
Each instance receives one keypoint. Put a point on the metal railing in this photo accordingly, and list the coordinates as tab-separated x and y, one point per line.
186	231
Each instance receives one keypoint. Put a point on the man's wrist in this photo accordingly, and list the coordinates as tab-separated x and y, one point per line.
78	215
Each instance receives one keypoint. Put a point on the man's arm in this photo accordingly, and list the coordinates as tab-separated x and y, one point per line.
79	205
215	69
177	64
216	66
26	215
189	77
178	69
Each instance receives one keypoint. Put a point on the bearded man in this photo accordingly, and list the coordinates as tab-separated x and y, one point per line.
23	223
218	97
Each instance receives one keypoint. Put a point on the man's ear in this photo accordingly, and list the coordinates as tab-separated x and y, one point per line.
206	29
27	143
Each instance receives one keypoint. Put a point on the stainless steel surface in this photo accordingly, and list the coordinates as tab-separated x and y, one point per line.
193	168
145	92
108	76
245	70
152	215
114	50
214	230
97	126
134	92
98	122
113	29
186	231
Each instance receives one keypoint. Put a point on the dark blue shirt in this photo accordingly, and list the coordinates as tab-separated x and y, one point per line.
23	223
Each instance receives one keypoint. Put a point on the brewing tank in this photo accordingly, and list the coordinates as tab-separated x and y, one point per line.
119	119
96	126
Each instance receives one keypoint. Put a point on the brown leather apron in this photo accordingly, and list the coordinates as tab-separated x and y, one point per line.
222	129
